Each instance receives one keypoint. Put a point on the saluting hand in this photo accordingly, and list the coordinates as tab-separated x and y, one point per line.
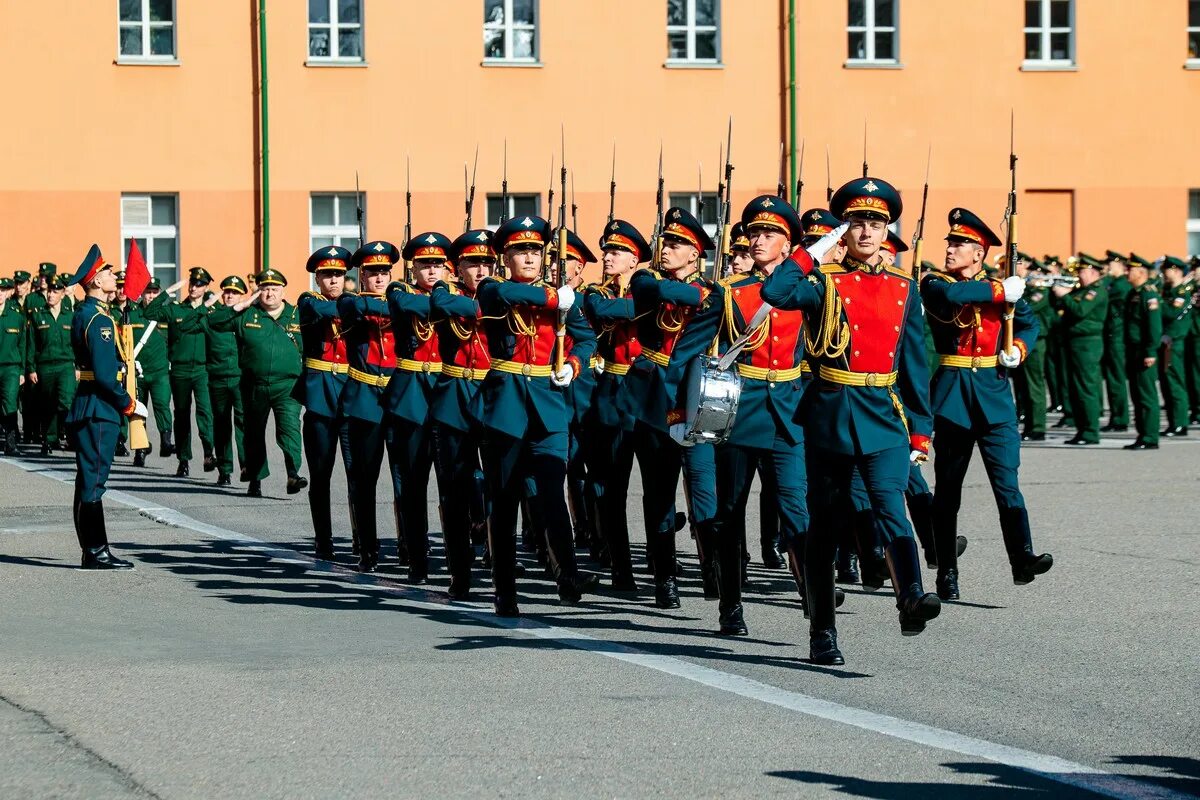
1149	362
33	378
210	301
248	301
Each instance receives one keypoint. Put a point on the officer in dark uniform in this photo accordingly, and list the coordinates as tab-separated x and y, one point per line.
867	338
406	400
1116	281
1084	310
13	341
972	402
99	404
154	379
50	364
522	408
1143	333
326	372
1176	324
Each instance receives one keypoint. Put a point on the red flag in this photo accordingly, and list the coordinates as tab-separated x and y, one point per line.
136	274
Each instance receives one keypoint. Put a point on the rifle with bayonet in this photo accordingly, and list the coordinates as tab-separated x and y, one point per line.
470	201
561	254
612	188
1010	219
407	216
919	233
574	208
504	187
358	211
864	148
547	259
656	243
724	227
781	186
800	178
828	179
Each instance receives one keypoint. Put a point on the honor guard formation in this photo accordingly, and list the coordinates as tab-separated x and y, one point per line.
791	347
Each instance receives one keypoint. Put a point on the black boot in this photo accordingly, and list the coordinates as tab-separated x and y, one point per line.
614	522
820	602
254	489
166	445
402	555
578	509
870	551
318	506
96	554
729	580
183	470
920	510
945	538
122	448
706	551
915	604
1018	541
502	549
139	458
224	479
847	565
661	551
770	552
295	483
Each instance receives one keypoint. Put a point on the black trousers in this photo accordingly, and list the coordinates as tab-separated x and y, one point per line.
368	440
322	435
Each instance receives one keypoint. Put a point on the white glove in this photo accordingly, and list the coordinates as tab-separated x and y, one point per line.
137	366
679	434
917	457
598	370
1014	288
563	377
1010	359
140	411
566	298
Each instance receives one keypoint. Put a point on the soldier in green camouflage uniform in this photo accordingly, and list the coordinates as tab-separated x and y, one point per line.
188	352
1084	310
1177	323
50	364
12	364
1117	285
1143	331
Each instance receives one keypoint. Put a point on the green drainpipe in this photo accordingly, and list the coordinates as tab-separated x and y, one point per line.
791	40
264	118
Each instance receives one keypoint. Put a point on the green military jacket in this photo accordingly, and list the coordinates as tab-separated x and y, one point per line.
49	339
13	336
222	345
187	347
269	348
1118	289
153	355
1084	311
1177	308
1143	322
1039	302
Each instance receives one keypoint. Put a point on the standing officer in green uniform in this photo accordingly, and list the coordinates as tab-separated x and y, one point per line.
1084	310
1030	377
224	389
13	340
154	368
1143	332
268	336
1117	285
97	407
1177	307
40	297
187	350
1193	345
22	292
50	363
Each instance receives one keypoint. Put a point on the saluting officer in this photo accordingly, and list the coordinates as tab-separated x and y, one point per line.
320	388
1084	310
268	335
1143	333
224	389
1176	322
97	408
867	338
522	408
49	362
154	380
972	402
1116	281
457	433
406	400
12	365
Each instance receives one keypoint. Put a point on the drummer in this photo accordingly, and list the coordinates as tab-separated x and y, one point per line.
764	430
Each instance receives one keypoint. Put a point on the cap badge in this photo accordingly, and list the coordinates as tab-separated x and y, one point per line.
482	236
767	203
870	186
431	238
957	214
332	251
815	216
527	222
378	247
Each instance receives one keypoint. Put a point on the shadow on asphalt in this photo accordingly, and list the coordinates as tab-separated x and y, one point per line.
53	563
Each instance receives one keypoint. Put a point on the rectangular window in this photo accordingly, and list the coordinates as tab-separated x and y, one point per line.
1193	223
152	219
510	30
335	30
146	30
872	31
518	205
1049	32
333	219
1193	31
693	31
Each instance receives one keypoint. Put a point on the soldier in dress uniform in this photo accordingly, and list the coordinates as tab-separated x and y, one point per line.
406	400
972	402
13	341
1143	333
766	430
98	405
457	434
868	406
188	354
268	337
522	408
1084	310
320	389
1176	323
1115	280
371	352
154	381
50	362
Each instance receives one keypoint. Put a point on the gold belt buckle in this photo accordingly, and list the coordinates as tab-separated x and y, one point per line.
469	373
771	375
426	366
526	370
976	362
872	379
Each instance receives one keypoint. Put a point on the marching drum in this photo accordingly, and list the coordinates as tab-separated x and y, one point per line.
712	401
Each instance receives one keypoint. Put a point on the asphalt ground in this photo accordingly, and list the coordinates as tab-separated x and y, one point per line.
230	664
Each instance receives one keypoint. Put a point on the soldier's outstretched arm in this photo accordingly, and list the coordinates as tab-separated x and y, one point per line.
315	308
223	319
913	378
512	293
607	309
787	288
157	309
445	304
944	296
402	300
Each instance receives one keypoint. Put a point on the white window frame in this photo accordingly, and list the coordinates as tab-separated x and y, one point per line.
1193	62
871	27
1193	223
335	25
508	27
691	29
342	235
145	24
1045	31
148	232
512	205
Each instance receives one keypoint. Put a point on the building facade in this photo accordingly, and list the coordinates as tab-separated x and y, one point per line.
144	119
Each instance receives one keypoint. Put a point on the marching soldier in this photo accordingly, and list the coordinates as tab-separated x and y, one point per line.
522	409
224	389
154	380
1084	310
406	400
50	363
96	410
867	338
1116	283
1177	306
326	372
972	402
187	351
371	353
268	331
1056	359
457	434
1143	333
13	341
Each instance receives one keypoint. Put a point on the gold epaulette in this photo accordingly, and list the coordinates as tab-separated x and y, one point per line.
899	272
399	286
941	276
730	280
452	287
832	269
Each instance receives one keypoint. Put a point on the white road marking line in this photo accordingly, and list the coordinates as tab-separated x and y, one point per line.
1049	767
